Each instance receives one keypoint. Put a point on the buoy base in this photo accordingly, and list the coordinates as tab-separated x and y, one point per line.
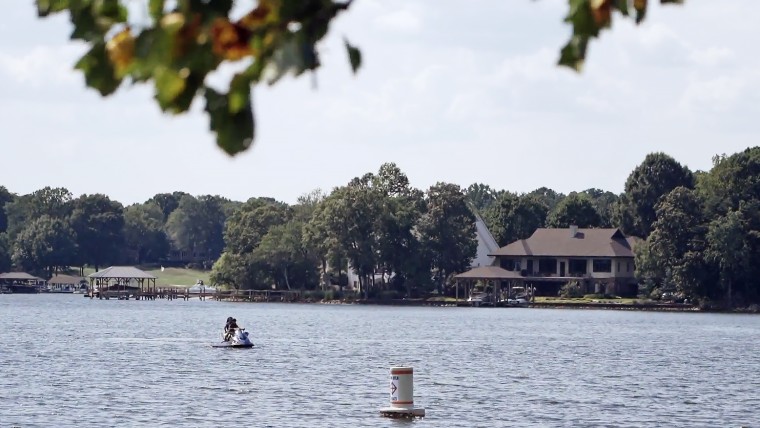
396	412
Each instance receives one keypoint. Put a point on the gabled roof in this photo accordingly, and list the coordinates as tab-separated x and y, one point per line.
484	234
19	276
562	243
65	279
121	272
488	272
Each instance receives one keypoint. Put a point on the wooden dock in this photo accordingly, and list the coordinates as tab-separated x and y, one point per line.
174	293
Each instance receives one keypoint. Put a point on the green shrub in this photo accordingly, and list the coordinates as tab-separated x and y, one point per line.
571	289
314	295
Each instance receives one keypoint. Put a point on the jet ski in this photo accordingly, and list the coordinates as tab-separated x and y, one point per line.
238	339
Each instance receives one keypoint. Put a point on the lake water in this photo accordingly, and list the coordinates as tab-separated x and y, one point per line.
68	361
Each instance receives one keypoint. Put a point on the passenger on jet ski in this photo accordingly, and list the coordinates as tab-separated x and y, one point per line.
229	328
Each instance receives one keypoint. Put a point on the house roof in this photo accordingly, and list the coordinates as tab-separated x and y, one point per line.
121	272
65	279
488	272
562	243
19	276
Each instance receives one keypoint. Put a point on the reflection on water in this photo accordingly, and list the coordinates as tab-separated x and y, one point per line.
68	361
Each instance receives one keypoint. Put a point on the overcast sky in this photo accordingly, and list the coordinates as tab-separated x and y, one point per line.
452	91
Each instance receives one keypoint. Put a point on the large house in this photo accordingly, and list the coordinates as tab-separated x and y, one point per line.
600	260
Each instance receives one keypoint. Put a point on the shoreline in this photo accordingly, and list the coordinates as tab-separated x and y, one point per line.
647	307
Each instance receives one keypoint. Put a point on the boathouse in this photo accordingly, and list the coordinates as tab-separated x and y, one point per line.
121	282
21	282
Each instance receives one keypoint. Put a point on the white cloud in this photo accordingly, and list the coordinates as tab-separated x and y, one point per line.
711	56
405	20
717	94
42	65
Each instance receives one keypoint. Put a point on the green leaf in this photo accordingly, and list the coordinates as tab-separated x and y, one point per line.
184	100
240	92
46	7
354	56
98	70
582	19
85	27
156	9
574	53
169	85
622	6
234	131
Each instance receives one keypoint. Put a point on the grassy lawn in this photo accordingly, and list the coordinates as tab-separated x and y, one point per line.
171	276
444	299
625	301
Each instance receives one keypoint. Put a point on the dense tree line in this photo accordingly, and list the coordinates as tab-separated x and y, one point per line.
699	231
393	237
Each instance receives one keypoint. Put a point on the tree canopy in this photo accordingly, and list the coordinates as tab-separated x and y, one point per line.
175	45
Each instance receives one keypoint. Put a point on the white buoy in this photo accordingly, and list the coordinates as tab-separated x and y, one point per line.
402	395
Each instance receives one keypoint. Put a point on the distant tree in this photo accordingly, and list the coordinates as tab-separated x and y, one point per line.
576	209
167	202
352	212
398	247
238	271
282	250
727	248
197	225
732	189
244	231
6	197
98	223
447	232
655	177
482	196
676	244
322	234
144	232
45	246
514	217
604	202
52	202
549	197
246	227
5	253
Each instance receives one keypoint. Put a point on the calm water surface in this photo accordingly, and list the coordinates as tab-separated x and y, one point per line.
68	361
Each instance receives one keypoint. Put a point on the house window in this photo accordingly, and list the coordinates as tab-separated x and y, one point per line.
509	264
547	266
577	267
602	265
618	267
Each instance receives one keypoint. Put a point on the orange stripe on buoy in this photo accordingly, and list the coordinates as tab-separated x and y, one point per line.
402	402
402	371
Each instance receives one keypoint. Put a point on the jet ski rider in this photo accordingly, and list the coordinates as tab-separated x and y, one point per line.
229	328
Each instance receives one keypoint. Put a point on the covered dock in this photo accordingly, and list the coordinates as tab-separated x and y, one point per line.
495	278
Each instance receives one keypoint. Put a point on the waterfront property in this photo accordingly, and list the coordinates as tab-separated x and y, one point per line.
599	261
